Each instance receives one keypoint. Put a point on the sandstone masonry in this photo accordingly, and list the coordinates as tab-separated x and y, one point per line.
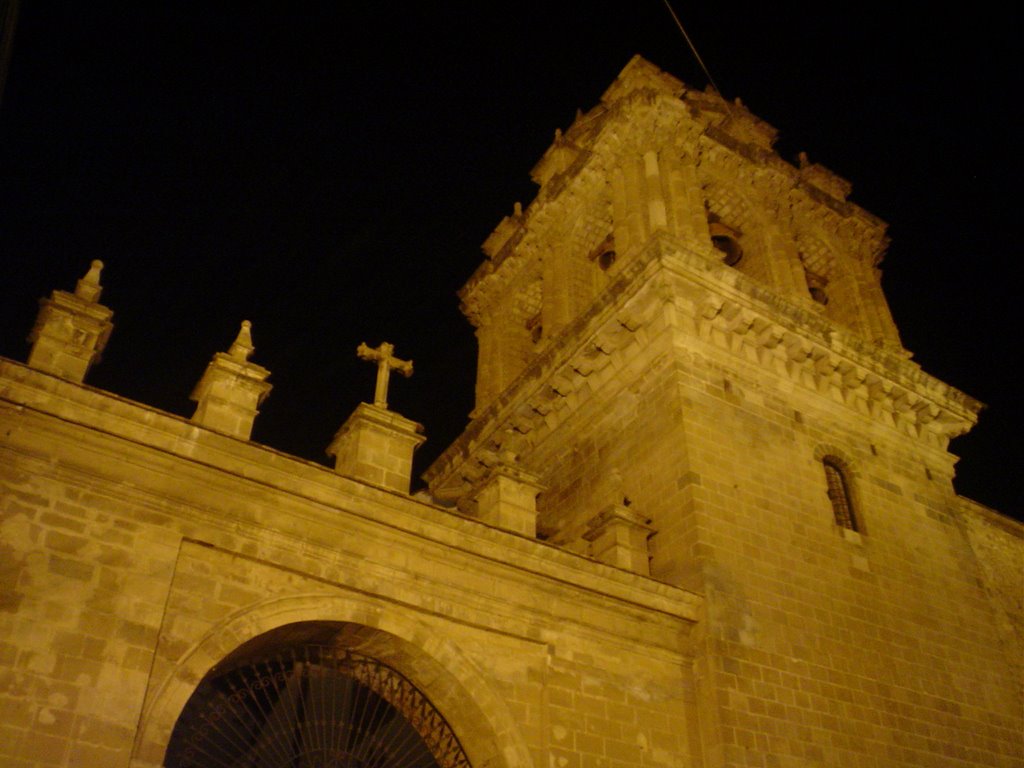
703	514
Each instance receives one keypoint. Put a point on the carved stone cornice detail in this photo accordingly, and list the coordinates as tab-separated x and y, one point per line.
817	355
647	109
728	310
552	382
861	233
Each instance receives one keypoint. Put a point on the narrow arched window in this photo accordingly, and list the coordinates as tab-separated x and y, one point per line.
839	493
816	286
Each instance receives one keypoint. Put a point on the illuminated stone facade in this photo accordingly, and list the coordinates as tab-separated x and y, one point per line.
703	514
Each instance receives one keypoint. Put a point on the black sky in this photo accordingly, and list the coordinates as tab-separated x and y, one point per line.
329	173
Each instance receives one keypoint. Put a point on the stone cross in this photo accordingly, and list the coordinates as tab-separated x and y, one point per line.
385	363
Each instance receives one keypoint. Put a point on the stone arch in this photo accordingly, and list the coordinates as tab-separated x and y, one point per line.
732	216
518	324
525	311
821	260
591	256
819	266
481	719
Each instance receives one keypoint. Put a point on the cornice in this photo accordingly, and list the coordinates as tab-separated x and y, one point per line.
551	377
207	476
740	316
657	115
724	309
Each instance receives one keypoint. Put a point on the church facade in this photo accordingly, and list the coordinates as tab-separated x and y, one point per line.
703	513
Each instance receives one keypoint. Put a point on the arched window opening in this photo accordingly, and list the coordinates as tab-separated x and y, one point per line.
311	706
604	254
839	493
726	240
816	285
536	328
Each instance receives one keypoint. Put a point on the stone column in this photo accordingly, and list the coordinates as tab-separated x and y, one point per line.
618	536
628	213
231	389
688	219
487	366
376	445
71	329
508	499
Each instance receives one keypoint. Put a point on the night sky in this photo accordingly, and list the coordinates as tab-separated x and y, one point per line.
330	174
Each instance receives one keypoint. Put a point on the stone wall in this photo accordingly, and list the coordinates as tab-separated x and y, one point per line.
828	646
821	645
736	350
748	549
998	546
140	550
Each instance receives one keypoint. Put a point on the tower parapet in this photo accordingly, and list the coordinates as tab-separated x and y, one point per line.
657	157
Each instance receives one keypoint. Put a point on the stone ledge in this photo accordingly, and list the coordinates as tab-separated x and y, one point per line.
88	422
798	344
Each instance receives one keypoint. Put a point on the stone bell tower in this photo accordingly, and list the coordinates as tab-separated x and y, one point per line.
687	369
674	290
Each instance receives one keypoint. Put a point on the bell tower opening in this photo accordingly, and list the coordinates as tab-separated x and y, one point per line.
726	240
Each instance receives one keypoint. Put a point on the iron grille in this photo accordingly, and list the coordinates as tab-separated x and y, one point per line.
312	706
839	494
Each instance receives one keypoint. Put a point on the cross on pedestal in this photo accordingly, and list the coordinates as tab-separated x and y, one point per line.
386	362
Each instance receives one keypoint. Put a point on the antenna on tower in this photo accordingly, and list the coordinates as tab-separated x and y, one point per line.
8	21
693	48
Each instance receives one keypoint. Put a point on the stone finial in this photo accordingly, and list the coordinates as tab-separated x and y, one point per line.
821	177
229	393
242	346
616	486
71	329
386	362
89	288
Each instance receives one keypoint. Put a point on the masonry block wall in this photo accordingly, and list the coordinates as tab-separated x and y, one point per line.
821	644
996	548
829	646
682	335
140	550
735	344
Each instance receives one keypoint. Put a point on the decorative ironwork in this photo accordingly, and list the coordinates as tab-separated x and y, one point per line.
312	706
839	493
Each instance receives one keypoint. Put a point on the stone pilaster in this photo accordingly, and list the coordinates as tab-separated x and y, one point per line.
376	445
71	329
231	389
618	536
508	499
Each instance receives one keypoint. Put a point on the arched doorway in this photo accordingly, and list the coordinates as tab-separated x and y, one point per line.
299	698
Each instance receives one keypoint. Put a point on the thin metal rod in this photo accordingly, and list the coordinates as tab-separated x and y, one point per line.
693	48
